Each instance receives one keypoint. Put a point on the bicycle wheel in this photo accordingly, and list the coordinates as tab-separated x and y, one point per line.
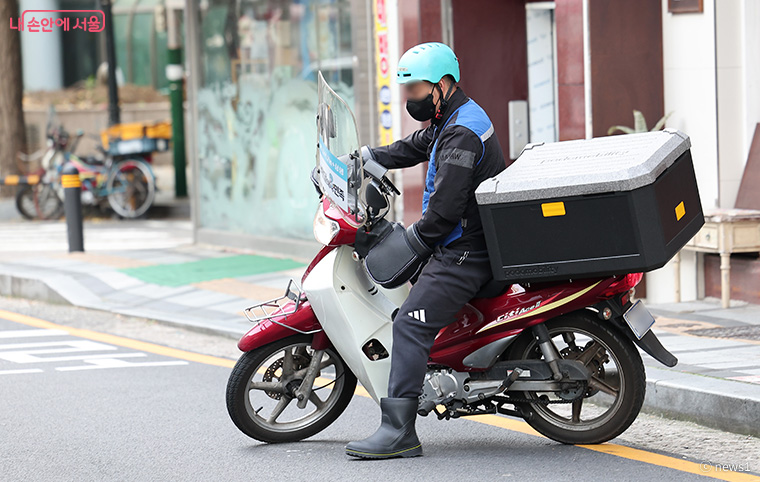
131	188
25	202
47	201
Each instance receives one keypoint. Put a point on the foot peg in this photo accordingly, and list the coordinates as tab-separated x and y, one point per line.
510	380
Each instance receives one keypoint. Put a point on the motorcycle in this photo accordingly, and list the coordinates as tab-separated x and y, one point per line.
560	355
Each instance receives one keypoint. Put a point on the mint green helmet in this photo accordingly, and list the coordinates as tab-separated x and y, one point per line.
429	61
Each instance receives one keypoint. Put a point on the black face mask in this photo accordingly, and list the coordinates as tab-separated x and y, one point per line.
423	109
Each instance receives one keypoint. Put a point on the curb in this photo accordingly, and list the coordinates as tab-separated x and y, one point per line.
29	288
727	405
731	406
61	289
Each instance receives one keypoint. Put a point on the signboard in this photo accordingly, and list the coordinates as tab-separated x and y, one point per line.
383	80
334	176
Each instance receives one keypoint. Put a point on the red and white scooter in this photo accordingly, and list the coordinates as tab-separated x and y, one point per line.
561	355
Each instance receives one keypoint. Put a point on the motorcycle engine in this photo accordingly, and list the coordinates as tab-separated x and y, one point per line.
444	386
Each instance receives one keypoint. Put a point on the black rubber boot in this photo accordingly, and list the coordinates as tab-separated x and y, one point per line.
396	436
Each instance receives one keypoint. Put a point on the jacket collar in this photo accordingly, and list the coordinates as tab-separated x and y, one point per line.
458	97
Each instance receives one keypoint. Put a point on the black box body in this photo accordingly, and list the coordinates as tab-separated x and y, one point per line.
599	234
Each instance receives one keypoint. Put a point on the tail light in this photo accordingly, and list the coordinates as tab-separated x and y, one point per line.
624	284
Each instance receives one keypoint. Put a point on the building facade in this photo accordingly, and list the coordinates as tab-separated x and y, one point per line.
544	71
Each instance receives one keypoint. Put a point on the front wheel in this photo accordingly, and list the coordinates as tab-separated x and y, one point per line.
261	391
25	202
612	399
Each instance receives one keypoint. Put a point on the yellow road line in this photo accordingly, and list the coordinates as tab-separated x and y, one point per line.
708	470
520	426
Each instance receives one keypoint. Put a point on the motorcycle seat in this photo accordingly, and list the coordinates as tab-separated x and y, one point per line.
492	289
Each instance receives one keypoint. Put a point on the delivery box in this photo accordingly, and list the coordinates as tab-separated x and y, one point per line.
594	207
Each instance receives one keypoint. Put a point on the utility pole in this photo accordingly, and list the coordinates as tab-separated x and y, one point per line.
114	115
175	75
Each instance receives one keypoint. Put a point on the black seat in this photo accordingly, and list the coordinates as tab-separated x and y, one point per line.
493	288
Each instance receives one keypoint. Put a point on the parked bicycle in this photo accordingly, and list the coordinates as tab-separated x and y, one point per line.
120	177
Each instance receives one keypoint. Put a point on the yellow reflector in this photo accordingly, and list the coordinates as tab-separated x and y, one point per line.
70	180
33	179
553	209
11	180
680	211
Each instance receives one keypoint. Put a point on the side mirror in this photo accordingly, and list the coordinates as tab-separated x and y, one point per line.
375	198
326	121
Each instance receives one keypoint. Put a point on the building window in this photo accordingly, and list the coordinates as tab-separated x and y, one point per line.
257	106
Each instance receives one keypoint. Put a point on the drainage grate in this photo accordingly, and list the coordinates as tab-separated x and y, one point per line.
751	332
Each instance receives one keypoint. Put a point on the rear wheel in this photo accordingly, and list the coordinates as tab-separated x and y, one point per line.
261	391
613	397
131	188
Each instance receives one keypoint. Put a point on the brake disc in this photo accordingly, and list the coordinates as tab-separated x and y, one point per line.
595	366
299	362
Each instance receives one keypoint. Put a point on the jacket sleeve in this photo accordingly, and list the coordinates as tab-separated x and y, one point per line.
456	156
406	152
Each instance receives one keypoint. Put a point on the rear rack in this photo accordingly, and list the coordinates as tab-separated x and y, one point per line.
275	308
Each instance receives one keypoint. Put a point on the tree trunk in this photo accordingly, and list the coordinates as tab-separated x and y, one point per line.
12	132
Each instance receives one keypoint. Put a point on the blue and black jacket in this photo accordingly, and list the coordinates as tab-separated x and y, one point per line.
462	151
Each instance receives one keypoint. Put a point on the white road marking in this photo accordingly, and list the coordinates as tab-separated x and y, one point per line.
26	358
30	333
114	363
93	345
29	351
27	370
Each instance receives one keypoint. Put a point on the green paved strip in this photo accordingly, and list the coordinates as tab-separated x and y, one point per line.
209	269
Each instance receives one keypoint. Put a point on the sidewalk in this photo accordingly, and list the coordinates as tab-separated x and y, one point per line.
150	269
141	268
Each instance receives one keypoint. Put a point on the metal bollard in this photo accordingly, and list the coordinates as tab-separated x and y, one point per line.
72	206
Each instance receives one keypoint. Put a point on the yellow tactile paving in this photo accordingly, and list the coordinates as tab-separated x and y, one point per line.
682	327
104	259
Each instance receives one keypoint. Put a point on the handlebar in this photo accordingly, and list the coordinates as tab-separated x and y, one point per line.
377	172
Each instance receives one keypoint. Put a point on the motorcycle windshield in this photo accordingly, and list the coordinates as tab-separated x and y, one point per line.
338	153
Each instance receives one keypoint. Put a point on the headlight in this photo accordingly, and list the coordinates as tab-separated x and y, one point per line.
325	229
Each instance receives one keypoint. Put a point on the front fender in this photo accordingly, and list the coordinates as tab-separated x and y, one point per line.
267	331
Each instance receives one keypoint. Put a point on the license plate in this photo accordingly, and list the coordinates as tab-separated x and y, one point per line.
639	319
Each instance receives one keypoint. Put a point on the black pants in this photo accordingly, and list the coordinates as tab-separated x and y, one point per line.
446	283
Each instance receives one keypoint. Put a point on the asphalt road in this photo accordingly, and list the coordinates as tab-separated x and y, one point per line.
88	395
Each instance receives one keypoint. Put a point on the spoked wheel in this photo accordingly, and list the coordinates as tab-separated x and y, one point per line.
131	188
613	397
261	391
47	201
39	201
25	202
